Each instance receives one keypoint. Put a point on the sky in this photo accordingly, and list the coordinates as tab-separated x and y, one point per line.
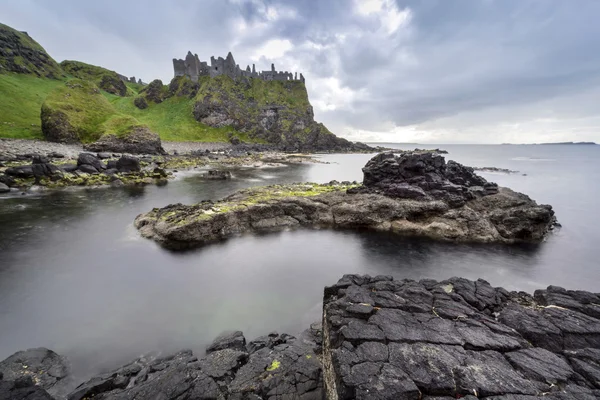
421	71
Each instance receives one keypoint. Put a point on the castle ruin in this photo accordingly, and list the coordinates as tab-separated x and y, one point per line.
193	68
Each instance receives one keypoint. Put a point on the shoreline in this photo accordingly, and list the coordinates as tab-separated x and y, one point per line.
380	338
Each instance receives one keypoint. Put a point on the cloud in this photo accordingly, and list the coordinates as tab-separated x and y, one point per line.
408	70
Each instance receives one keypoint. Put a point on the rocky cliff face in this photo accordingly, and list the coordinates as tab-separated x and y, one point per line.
277	112
20	53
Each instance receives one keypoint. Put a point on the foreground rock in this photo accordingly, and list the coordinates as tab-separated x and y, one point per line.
31	371
415	194
380	339
391	339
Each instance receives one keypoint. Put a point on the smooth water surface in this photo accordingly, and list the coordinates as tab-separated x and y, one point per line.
76	277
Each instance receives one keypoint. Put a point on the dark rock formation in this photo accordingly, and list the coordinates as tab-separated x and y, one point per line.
155	91
128	164
217	175
401	339
140	102
380	339
4	188
21	54
282	368
113	84
56	126
411	194
90	160
140	140
40	366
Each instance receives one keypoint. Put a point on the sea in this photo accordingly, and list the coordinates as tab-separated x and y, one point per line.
76	277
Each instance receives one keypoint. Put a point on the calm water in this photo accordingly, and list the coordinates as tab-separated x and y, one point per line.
75	276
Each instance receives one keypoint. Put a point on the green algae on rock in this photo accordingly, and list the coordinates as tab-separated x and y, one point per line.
413	194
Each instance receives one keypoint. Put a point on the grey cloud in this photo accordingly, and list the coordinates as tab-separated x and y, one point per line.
453	56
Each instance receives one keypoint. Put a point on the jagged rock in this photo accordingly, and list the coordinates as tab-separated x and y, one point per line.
140	102
41	366
155	91
91	160
287	368
22	389
140	140
414	194
228	340
128	164
111	83
433	339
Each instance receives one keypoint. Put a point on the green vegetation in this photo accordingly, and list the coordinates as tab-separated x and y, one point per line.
173	120
21	102
87	111
20	53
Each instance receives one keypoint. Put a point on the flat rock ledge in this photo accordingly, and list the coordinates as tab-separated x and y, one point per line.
380	338
413	194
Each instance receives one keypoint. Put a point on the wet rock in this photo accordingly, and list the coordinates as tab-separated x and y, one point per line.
4	188
91	160
24	171
286	368
128	164
88	169
442	340
104	155
68	167
228	340
214	174
43	367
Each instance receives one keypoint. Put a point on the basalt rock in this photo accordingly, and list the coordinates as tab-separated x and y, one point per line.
411	194
128	164
402	339
287	368
40	367
90	160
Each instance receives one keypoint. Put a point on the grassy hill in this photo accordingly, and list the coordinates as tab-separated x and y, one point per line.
75	101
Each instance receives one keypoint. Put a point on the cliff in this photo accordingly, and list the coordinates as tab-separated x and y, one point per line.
20	53
79	102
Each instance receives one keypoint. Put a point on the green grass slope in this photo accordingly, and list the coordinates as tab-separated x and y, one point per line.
20	53
21	98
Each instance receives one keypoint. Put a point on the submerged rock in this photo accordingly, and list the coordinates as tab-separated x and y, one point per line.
415	194
216	175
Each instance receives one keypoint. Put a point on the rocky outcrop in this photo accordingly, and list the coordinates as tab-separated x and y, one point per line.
31	371
140	102
401	339
113	84
412	194
139	140
56	126
277	112
155	91
21	54
274	367
380	338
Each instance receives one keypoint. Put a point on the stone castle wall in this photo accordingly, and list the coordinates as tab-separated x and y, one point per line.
193	68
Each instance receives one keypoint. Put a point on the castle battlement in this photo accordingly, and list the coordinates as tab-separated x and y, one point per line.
193	68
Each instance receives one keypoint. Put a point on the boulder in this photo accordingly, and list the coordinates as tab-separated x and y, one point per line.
88	169
128	164
228	340
140	102
57	127
139	140
214	174
111	83
4	188
104	155
46	368
91	160
24	171
155	91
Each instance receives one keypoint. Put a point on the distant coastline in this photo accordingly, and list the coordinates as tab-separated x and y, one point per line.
554	143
